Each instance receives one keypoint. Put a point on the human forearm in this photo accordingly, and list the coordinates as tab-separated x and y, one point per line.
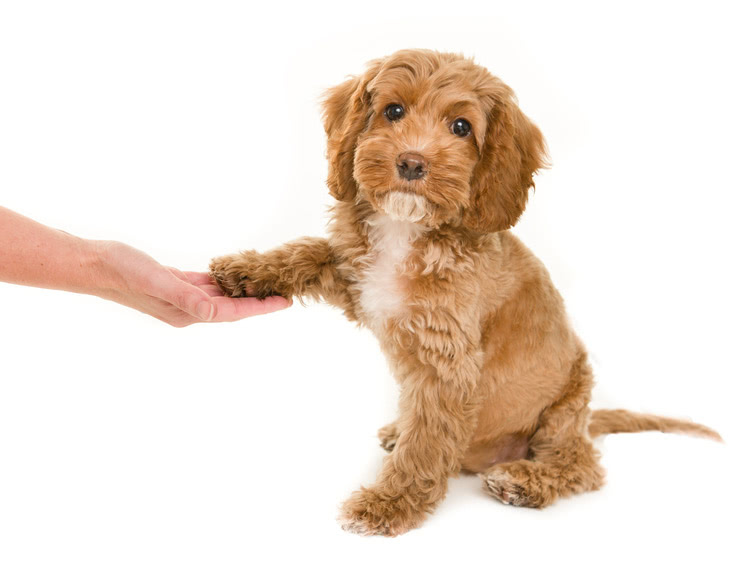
35	255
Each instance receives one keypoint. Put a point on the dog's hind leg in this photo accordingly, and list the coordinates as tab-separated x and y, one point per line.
571	466
561	458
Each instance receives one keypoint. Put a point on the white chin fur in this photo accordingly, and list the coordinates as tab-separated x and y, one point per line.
404	206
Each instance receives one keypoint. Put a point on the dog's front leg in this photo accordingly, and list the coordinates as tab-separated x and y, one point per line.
306	268
438	409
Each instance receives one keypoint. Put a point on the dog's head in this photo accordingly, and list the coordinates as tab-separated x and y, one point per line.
432	138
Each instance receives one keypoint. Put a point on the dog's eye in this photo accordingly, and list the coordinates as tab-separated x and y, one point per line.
461	127
394	112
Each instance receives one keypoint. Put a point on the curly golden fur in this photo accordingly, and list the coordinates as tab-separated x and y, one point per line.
493	379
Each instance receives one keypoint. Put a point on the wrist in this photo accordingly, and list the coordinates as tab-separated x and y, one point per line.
95	266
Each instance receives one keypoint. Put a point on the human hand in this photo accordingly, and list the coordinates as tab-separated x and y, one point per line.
130	277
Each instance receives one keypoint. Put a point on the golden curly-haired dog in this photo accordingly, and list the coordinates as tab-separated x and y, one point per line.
431	161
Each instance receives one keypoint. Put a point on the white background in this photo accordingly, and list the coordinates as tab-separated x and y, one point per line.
191	129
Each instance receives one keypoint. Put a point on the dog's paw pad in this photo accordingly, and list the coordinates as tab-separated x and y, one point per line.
500	485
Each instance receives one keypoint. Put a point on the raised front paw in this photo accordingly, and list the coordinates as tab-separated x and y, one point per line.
369	512
244	274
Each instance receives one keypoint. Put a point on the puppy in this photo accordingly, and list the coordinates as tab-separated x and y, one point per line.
430	163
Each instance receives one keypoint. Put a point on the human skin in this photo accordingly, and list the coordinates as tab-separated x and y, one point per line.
33	254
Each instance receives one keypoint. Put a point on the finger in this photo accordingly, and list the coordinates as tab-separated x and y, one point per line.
233	309
198	278
185	296
211	289
202	280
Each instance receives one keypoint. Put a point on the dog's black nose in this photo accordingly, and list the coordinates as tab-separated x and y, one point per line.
411	166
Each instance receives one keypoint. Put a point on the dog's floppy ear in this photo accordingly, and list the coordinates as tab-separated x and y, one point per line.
346	109
512	151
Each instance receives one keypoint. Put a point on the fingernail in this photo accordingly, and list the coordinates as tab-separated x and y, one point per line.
205	311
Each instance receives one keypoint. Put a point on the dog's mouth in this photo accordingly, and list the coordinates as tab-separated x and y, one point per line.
402	205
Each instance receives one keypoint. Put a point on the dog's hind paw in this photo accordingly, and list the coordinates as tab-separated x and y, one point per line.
500	485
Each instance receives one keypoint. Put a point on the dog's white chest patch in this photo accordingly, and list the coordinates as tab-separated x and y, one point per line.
381	283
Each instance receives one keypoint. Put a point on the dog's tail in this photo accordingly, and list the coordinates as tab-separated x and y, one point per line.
623	421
